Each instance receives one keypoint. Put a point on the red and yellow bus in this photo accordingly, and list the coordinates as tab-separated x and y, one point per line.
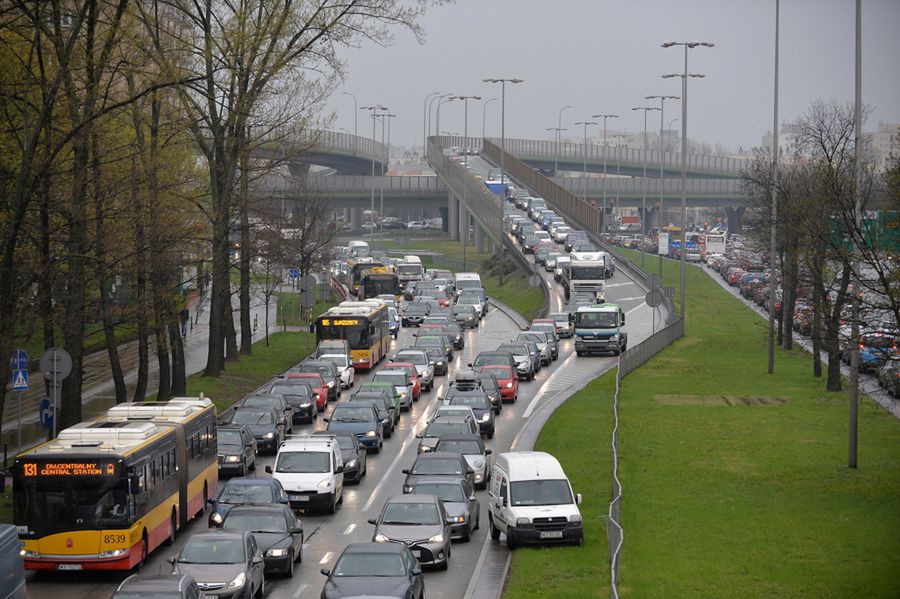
104	494
366	327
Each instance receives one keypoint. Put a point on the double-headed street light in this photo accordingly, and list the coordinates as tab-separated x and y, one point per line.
484	116
465	100
355	129
502	83
441	102
684	88
559	128
584	155
603	181
375	114
646	109
384	117
437	98
662	151
425	114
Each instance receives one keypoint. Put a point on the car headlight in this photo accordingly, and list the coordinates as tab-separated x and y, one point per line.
407	488
509	385
330	384
380	538
479	463
269	436
113	553
325	483
351	464
217	518
238	581
479	476
455	520
486	417
371	434
441	363
438	538
614	338
424	449
233	458
277	552
305	404
523	521
575	518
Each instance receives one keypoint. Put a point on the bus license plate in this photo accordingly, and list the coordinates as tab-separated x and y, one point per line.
552	534
68	567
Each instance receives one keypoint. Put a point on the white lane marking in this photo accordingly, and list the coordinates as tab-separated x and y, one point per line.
625	299
641	305
349	529
299	591
325	558
619	284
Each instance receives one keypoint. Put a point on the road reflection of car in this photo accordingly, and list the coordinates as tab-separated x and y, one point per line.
278	533
300	395
265	423
237	449
459	501
163	586
432	464
360	421
418	521
226	564
245	491
472	448
375	570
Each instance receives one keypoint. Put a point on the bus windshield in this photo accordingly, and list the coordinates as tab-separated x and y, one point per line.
596	320
355	330
375	285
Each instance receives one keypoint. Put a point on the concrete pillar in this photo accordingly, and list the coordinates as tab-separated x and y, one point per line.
445	218
356	218
463	221
453	216
479	239
734	219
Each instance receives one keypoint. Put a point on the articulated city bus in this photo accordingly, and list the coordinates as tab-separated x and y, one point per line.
377	281
104	494
357	268
364	325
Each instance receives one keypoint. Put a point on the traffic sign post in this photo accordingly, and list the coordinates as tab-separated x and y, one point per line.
45	413
56	366
19	365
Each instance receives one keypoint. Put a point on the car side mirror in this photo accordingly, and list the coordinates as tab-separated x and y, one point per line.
488	451
578	498
326	419
470	365
372	521
339	469
623	319
417	571
418	435
297	530
326	571
257	559
405	471
268	470
211	501
172	559
503	502
469	471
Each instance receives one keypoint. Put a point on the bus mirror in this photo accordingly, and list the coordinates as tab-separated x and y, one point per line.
623	319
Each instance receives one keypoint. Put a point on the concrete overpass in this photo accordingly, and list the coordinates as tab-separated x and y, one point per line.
347	154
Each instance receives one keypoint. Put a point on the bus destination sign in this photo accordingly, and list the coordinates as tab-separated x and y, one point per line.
68	469
340	322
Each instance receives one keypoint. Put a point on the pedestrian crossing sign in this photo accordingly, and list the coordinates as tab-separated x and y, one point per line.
20	380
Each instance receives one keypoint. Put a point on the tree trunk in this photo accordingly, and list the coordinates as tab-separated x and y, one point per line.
790	296
140	285
219	294
179	378
266	319
243	202
818	307
779	321
231	347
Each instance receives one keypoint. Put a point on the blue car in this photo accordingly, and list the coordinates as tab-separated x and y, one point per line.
245	491
361	419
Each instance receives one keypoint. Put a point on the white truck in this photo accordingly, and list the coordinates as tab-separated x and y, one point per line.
587	272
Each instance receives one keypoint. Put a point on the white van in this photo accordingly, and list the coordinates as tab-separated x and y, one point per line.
410	269
467	280
311	470
358	249
531	501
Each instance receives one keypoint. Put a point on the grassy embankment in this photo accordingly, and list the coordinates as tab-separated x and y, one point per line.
735	482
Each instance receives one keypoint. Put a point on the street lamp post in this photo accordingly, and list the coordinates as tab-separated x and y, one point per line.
502	83
603	181
355	118
465	100
384	117
374	110
662	152
620	137
556	146
484	116
559	128
584	155
684	87
430	102
425	114
441	102
646	109
773	264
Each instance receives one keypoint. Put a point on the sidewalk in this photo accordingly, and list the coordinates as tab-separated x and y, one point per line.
98	389
868	384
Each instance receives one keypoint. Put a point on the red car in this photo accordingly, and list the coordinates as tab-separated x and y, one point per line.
507	379
413	376
319	385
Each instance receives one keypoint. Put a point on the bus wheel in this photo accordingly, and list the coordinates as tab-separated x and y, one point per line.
144	550
173	520
205	499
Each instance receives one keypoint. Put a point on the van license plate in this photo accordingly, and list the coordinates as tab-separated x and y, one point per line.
552	534
300	497
68	567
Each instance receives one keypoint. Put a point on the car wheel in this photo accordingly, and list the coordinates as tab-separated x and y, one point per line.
261	592
490	434
244	468
290	570
468	536
495	532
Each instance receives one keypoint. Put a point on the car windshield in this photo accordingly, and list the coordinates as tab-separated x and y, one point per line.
229	437
516	350
339	361
430	342
262	402
442	429
253	417
292	389
411	513
398	379
463	309
878	341
540	492
369	564
491	360
469	447
444	492
204	550
256	521
413	358
235	494
437	466
469	297
148	595
417	308
473	401
303	461
351	414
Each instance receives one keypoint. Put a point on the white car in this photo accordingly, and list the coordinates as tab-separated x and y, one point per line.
415	224
344	366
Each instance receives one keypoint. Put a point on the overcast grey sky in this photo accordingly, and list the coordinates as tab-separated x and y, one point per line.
604	56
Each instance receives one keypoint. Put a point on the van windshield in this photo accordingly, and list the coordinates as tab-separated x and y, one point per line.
540	492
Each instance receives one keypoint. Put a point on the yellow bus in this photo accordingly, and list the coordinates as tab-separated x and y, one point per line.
377	281
104	494
357	267
365	326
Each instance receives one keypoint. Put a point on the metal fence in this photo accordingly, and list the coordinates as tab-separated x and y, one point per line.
276	183
631	186
697	163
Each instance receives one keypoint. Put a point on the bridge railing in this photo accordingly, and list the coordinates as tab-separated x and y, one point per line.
594	186
568	151
275	183
335	142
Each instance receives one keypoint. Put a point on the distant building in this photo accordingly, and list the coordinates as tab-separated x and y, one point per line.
883	143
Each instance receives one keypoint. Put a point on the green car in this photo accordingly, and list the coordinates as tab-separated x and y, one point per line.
394	394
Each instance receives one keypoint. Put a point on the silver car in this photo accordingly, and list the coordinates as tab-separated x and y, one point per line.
418	521
460	502
226	564
422	362
344	366
472	448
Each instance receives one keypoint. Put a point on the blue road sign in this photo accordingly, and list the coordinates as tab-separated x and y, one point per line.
20	380
293	273
19	360
45	413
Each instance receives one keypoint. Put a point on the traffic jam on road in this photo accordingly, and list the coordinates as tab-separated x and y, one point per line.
377	466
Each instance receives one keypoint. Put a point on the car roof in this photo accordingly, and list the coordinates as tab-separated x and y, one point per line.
246	480
439	455
227	533
469	437
412	498
447	417
374	548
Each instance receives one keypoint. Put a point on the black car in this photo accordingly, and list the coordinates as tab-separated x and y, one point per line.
236	449
268	430
383	406
277	402
245	491
353	453
478	400
278	533
375	570
456	335
489	384
414	314
438	358
301	396
171	586
329	371
438	464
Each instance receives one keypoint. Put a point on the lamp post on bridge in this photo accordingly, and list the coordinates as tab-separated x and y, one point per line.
662	151
502	83
374	113
584	154
603	181
684	88
424	125
556	146
430	102
646	109
558	138
385	117
620	137
355	119
465	100
484	117
441	102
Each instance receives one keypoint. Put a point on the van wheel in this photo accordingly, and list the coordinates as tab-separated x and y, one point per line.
495	532
510	543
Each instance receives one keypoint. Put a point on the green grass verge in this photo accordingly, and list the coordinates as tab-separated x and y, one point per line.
723	499
291	313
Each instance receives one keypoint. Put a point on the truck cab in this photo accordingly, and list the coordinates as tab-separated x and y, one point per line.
600	329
